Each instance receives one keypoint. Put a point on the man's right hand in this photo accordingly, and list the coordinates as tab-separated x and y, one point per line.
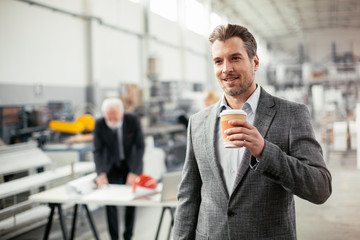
101	180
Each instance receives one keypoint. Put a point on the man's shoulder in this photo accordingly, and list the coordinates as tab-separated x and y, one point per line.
99	121
284	107
285	102
131	120
204	113
131	116
279	102
100	126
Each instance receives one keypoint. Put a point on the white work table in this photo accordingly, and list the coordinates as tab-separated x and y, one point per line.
119	195
115	194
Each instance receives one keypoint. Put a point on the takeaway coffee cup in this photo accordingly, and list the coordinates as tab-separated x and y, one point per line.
225	117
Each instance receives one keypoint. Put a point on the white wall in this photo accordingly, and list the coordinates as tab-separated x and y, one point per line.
196	42
189	66
164	29
116	57
43	47
120	13
168	49
169	60
195	68
40	47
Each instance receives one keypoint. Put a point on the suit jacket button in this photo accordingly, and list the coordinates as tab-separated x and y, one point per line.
231	213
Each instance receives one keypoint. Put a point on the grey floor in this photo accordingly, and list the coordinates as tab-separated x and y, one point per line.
337	219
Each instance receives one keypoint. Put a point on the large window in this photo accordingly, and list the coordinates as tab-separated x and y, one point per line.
196	17
165	8
194	14
215	20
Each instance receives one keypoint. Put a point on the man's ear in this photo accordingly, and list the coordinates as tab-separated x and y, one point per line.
256	62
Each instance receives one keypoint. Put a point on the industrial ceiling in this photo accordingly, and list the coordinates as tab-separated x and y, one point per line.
277	19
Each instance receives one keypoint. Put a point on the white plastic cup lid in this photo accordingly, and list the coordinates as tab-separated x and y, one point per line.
233	111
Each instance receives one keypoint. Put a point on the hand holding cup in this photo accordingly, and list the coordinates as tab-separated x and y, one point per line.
237	132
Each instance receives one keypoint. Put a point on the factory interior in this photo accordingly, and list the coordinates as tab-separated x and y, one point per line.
59	59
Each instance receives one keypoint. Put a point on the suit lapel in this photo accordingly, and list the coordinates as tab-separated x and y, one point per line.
210	142
265	112
264	115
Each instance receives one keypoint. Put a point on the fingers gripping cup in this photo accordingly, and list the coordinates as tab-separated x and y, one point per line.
225	117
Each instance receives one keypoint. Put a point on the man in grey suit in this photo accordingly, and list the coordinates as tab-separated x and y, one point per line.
247	192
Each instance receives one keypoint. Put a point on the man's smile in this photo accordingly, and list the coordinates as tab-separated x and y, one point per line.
230	79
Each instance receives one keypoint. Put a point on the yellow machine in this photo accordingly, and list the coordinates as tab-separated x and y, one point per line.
83	123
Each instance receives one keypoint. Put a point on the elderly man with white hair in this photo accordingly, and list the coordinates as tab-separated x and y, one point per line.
118	153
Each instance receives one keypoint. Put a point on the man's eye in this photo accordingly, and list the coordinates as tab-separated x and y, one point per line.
217	62
236	58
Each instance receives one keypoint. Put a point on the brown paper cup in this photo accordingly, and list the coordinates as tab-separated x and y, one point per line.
225	117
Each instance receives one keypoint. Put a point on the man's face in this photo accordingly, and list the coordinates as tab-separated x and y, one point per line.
113	117
234	70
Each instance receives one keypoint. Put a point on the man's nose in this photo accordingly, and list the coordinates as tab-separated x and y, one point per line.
227	67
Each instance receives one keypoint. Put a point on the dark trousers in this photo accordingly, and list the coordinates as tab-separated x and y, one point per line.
117	175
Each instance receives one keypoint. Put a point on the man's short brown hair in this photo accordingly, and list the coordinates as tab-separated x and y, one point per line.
222	33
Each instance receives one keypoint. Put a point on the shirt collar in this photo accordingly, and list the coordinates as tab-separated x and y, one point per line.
253	101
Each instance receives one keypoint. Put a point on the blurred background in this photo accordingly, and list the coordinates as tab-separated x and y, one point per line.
59	59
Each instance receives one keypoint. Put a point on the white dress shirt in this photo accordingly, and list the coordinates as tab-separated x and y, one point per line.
230	158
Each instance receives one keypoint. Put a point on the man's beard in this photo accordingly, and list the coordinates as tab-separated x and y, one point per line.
241	89
114	126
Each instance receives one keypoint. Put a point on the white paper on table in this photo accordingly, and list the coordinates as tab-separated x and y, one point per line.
118	192
81	186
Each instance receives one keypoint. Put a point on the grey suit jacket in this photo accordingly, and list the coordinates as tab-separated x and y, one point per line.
262	204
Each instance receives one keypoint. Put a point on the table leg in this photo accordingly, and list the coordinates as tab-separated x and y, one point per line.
49	223
73	226
160	222
161	219
91	221
62	222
